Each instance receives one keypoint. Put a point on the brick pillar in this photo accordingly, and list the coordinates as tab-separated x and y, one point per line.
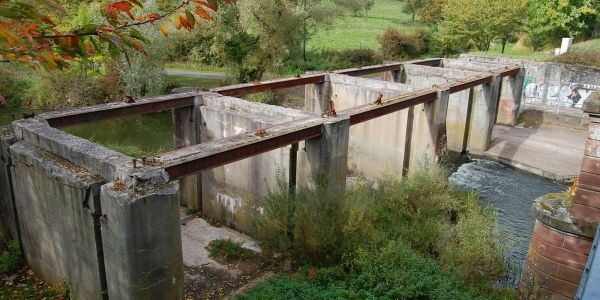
586	205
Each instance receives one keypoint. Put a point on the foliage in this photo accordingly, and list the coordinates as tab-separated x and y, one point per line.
432	12
12	85
583	58
469	24
31	32
413	7
415	238
550	21
356	7
396	44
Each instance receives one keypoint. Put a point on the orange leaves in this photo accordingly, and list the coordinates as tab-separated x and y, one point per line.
202	13
164	29
114	8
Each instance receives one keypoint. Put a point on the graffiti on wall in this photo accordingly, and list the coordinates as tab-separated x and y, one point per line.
568	94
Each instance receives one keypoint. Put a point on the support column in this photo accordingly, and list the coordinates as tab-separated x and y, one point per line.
483	116
510	99
327	155
142	241
317	96
429	132
187	133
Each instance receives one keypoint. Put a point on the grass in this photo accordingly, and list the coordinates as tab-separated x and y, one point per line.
229	250
18	281
351	32
520	52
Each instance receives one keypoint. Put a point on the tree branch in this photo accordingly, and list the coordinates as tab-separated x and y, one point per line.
125	26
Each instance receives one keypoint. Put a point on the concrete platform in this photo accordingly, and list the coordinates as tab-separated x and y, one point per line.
550	151
208	278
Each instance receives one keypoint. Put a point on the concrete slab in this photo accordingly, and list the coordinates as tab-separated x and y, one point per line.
550	151
197	233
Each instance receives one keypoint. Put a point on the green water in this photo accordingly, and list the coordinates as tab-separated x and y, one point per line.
136	136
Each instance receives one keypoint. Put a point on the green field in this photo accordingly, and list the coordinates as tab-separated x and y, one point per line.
350	32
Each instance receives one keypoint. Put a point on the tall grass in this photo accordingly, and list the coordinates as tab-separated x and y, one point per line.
415	238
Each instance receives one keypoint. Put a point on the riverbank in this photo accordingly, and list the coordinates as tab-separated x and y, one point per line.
553	152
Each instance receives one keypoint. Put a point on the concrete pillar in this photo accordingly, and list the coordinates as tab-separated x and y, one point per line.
428	142
510	99
327	156
483	116
142	241
317	96
187	133
8	215
59	220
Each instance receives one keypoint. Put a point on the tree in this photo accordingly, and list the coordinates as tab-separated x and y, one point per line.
356	7
432	12
413	7
469	24
551	20
32	31
314	15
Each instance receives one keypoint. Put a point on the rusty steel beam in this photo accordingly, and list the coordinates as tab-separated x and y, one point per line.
368	112
470	82
115	110
510	72
242	149
250	88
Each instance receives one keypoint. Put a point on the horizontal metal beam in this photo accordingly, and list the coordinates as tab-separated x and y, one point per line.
115	110
368	112
469	83
250	88
195	159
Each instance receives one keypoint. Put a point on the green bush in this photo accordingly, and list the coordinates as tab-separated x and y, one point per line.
397	44
321	60
415	238
12	85
228	249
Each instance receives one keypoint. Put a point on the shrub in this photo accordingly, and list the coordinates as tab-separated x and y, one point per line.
396	44
228	249
583	58
12	85
418	237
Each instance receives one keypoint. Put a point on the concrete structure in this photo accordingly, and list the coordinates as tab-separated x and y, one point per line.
557	90
108	224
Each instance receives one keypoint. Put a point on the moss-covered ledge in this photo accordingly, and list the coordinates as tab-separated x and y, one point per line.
592	104
553	211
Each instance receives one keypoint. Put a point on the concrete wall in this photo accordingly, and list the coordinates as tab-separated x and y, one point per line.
376	147
558	89
58	207
231	193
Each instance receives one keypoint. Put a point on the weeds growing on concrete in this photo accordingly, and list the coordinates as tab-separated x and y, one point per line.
415	238
229	250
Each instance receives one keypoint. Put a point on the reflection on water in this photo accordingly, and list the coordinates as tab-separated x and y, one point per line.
511	192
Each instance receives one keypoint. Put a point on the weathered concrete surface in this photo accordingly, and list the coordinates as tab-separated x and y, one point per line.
483	116
233	192
142	242
551	151
7	208
324	160
377	146
58	207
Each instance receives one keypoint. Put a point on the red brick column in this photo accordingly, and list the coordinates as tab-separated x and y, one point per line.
586	205
555	263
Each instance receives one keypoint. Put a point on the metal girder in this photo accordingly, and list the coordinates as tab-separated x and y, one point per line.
469	83
234	149
114	110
